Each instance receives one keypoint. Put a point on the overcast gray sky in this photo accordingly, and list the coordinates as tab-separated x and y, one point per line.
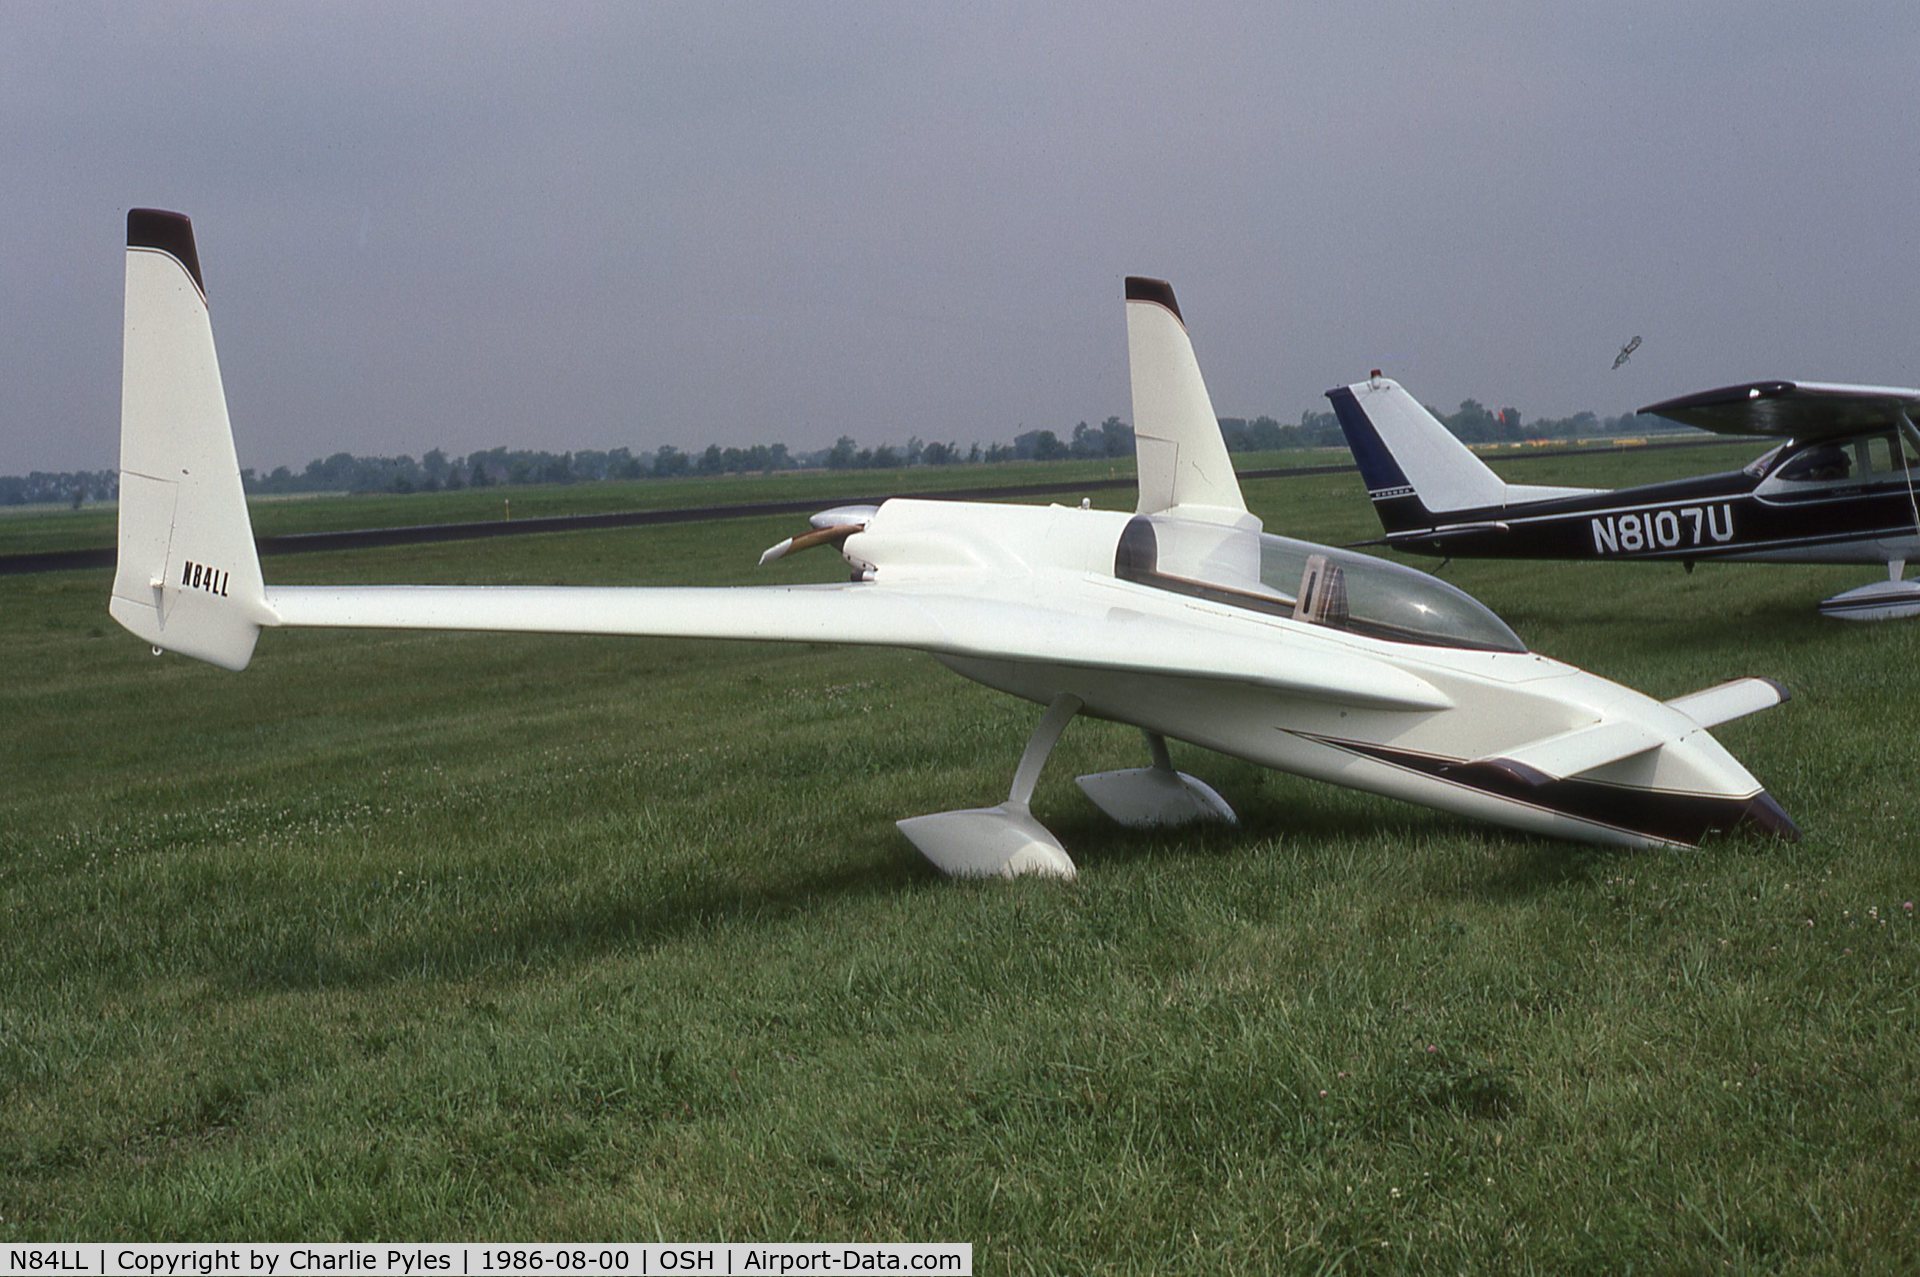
591	226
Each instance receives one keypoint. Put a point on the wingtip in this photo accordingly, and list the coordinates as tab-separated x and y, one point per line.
167	232
1141	288
1721	396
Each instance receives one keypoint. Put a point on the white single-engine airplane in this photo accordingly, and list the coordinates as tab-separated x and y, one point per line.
1183	619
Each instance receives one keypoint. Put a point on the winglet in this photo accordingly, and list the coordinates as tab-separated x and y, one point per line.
187	577
1181	455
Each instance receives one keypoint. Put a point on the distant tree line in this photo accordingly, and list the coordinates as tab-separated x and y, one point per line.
63	487
1475	423
437	471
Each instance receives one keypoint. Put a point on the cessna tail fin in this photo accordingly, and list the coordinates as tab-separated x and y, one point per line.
1414	467
188	578
1181	455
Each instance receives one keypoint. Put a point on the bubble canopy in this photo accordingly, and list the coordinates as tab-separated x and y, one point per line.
1316	584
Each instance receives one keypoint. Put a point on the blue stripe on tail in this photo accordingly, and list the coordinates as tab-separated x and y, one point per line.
1382	474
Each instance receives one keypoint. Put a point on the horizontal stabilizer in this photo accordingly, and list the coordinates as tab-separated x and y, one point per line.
1715	705
1580	750
1453	531
1522	493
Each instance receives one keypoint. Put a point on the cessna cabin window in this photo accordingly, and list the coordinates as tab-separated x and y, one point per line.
1889	454
1822	463
1313	583
1866	459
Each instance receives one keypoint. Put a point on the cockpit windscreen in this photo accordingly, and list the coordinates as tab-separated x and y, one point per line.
1314	583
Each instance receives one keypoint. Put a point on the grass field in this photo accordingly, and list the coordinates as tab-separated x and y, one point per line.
456	936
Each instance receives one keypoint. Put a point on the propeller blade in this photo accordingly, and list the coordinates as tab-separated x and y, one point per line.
807	540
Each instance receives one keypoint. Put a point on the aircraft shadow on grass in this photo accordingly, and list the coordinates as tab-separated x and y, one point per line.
565	931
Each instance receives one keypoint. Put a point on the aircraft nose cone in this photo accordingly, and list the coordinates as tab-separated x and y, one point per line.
1763	815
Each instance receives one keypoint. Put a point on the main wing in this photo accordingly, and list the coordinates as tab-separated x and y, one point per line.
188	579
942	622
1800	409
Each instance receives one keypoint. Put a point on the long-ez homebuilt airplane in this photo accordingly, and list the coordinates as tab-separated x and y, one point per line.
1840	489
1183	619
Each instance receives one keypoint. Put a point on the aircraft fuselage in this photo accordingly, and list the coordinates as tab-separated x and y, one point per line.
1737	515
1447	755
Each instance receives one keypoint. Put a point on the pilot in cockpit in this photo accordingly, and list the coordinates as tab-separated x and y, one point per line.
1823	464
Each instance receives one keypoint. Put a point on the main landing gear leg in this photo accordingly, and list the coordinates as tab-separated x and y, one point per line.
1004	841
1156	795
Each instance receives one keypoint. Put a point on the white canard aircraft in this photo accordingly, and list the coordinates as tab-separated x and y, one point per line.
1183	619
